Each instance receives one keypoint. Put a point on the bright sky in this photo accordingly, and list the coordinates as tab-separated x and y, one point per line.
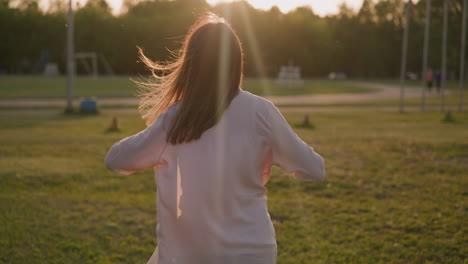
320	7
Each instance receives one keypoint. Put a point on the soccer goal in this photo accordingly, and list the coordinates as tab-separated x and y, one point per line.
90	60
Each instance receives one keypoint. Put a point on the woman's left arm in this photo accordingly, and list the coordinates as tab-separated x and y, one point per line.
138	152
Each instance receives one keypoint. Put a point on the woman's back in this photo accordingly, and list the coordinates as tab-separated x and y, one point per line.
211	197
212	204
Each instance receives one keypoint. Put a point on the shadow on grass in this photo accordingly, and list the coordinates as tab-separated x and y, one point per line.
449	118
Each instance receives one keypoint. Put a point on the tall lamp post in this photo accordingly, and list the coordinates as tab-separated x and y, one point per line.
70	59
444	56
404	57
462	57
425	53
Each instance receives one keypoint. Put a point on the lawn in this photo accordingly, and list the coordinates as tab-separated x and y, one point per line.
121	86
395	191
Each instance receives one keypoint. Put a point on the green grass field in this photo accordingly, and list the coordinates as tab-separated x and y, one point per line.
121	86
396	192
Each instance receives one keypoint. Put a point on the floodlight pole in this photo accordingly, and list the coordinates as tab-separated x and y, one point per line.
462	57
404	57
444	56
425	53
70	58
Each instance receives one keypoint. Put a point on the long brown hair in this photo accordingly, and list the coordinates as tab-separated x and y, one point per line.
204	77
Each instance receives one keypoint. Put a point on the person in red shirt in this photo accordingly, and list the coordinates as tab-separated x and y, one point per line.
429	79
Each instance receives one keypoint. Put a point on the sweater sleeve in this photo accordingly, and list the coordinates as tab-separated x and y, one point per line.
140	151
288	151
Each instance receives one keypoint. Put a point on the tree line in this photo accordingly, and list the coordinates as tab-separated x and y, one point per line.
365	43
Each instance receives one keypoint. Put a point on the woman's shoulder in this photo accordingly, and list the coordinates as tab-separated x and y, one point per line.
171	110
167	116
262	110
258	101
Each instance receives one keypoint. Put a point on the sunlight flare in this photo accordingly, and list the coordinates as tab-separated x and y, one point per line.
255	51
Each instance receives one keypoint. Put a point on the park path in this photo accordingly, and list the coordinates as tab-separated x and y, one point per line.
384	92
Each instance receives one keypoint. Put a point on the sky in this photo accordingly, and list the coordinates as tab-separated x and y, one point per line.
320	7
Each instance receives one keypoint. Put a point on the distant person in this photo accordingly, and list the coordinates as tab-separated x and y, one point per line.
212	146
438	80
429	79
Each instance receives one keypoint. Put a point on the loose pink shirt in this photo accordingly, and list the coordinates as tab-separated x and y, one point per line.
212	200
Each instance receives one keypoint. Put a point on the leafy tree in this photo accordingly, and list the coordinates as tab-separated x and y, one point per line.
4	3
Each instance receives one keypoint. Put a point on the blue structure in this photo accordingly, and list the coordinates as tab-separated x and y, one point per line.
88	106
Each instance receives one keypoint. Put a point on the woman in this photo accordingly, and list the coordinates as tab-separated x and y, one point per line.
212	146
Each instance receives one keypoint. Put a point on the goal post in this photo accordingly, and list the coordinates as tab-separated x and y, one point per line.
92	56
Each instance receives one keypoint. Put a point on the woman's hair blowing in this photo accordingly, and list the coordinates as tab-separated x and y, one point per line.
204	78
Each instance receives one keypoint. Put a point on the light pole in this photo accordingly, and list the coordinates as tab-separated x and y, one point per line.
444	56
425	53
462	58
404	57
70	59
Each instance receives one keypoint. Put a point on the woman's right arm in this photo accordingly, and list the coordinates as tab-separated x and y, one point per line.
288	151
140	151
